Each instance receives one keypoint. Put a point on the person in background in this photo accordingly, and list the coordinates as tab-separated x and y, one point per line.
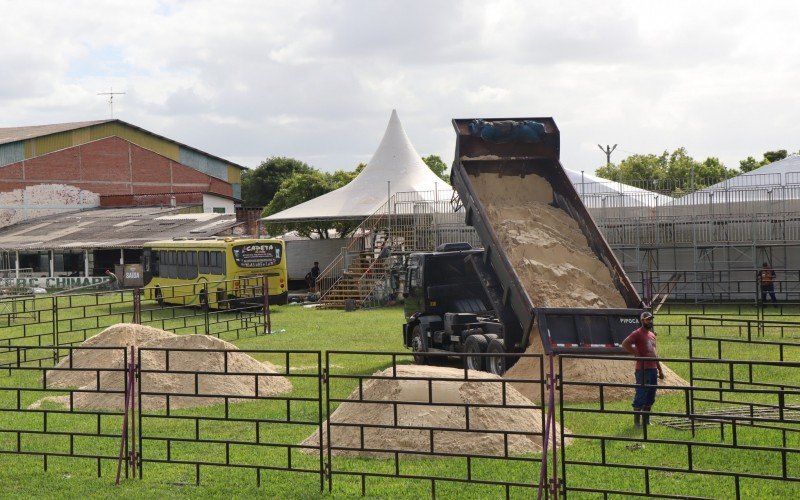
311	277
642	344
766	279
113	281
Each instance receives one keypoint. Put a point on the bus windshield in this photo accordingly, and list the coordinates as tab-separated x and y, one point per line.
257	255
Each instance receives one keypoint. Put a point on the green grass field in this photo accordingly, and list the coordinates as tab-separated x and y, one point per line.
298	328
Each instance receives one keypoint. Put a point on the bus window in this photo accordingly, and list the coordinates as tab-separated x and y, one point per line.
183	268
163	259
191	263
217	262
173	264
202	258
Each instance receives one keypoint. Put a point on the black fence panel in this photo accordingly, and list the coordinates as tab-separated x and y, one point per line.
65	320
50	409
205	409
428	430
367	423
730	432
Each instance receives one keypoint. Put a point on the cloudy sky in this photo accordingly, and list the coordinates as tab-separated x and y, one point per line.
317	80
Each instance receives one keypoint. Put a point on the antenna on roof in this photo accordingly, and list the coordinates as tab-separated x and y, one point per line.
111	95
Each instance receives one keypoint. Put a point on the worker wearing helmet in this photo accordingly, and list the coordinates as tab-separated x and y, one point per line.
642	344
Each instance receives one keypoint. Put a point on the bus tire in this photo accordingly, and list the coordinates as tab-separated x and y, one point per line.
159	296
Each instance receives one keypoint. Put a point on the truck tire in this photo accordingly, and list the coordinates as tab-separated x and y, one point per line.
496	364
419	345
475	344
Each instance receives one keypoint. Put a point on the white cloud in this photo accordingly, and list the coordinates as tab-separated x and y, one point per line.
317	79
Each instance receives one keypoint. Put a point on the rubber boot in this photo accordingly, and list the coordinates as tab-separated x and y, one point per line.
637	417
646	415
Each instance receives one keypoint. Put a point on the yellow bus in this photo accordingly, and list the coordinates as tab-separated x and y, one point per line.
214	272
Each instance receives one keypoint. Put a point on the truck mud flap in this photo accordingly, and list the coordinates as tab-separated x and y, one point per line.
574	330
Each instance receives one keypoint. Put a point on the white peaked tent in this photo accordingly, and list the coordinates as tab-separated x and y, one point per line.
396	167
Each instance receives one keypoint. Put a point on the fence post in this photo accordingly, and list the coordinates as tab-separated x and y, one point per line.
137	306
56	339
205	305
267	319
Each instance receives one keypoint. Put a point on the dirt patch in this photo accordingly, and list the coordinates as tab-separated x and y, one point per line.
184	389
451	420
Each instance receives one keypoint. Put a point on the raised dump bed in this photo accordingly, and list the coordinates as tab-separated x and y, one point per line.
545	267
508	176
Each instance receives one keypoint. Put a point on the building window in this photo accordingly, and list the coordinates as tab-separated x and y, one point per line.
218	210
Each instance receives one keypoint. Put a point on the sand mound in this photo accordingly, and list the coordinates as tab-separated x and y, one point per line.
434	415
593	371
164	380
557	268
120	335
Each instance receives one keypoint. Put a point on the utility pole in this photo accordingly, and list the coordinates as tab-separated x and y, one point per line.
608	150
111	95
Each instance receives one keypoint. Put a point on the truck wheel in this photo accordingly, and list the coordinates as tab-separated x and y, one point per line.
419	345
496	364
475	344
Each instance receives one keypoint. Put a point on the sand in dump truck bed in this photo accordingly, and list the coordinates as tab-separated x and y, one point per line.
479	388
546	247
221	382
557	268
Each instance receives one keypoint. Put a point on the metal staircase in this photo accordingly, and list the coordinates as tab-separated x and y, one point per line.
354	275
408	222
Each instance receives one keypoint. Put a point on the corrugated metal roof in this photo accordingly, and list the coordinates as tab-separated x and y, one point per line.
14	134
112	228
183	151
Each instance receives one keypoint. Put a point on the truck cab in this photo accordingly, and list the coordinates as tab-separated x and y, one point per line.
446	306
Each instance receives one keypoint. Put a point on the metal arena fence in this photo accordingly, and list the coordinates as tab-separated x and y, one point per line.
368	423
61	320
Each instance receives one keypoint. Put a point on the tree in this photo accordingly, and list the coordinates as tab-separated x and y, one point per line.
304	186
773	156
644	170
437	166
671	173
260	184
749	164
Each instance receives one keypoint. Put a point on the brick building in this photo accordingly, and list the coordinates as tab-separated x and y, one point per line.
54	168
93	166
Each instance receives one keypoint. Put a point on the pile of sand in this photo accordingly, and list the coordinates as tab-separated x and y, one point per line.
547	248
114	337
593	371
458	392
219	382
557	268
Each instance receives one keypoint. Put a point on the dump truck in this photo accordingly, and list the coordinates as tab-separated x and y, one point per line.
460	299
